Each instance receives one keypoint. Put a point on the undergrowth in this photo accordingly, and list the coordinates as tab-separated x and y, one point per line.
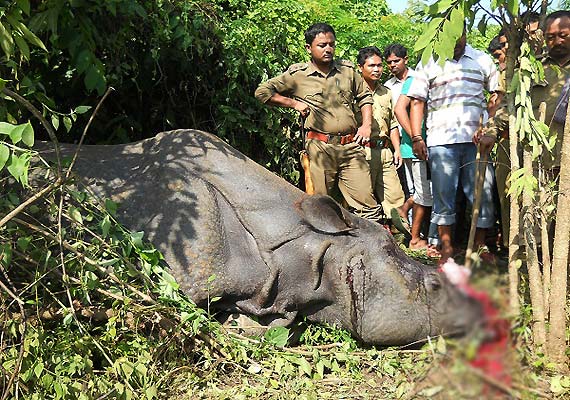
89	311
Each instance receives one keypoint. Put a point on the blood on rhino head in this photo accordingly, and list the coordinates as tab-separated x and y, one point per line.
277	253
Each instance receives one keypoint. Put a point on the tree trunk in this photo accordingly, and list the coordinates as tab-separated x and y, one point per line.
546	266
534	275
512	55
558	297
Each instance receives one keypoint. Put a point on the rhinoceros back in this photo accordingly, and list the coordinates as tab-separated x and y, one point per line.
201	202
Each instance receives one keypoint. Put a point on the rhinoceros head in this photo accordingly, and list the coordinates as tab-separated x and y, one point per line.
381	294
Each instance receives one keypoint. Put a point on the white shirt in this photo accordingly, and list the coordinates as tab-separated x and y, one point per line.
395	85
454	95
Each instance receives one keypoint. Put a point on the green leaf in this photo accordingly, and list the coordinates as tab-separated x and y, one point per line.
67	123
429	34
6	128
441	345
94	79
111	207
151	392
16	134
6	40
75	215
55	121
556	385
38	369
29	35
28	135
277	335
81	109
105	226
17	167
513	7
23	243
455	25
83	61
304	366
67	319
24	5
4	155
136	238
5	254
23	46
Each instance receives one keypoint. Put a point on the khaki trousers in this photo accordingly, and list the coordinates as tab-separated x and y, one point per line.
346	166
386	184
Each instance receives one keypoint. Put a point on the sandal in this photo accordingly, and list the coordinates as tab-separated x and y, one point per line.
400	223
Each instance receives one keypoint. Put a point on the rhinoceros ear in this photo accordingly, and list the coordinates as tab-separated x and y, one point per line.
324	214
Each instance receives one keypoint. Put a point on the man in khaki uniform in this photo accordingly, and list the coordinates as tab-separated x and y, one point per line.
556	63
324	91
385	136
554	89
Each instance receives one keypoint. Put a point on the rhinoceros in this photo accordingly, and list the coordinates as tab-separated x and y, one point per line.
276	253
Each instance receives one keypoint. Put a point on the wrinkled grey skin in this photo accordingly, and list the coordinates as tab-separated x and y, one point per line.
277	253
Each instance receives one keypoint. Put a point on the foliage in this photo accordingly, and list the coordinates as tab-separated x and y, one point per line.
89	310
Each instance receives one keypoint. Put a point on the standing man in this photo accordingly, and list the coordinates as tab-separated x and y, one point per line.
385	135
555	88
455	107
421	182
499	52
324	91
498	49
396	57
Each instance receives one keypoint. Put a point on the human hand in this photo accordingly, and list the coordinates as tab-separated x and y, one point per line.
419	148
486	144
477	135
363	135
398	161
303	109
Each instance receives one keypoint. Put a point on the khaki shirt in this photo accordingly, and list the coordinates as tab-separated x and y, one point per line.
382	116
549	92
330	97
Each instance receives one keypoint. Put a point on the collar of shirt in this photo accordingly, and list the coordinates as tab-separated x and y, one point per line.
469	52
551	61
313	70
394	79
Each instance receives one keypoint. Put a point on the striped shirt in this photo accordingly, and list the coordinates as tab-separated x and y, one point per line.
454	95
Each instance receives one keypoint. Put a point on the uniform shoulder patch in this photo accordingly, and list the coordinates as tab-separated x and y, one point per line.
346	63
298	67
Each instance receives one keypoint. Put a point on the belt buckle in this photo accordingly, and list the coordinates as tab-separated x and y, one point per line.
334	139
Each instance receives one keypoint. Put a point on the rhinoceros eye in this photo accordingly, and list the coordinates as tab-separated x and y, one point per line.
433	284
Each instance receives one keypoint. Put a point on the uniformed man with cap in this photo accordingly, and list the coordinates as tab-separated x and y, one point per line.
324	91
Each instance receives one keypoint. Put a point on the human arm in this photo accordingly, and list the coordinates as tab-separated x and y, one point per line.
395	139
363	133
419	147
279	91
288	102
401	112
